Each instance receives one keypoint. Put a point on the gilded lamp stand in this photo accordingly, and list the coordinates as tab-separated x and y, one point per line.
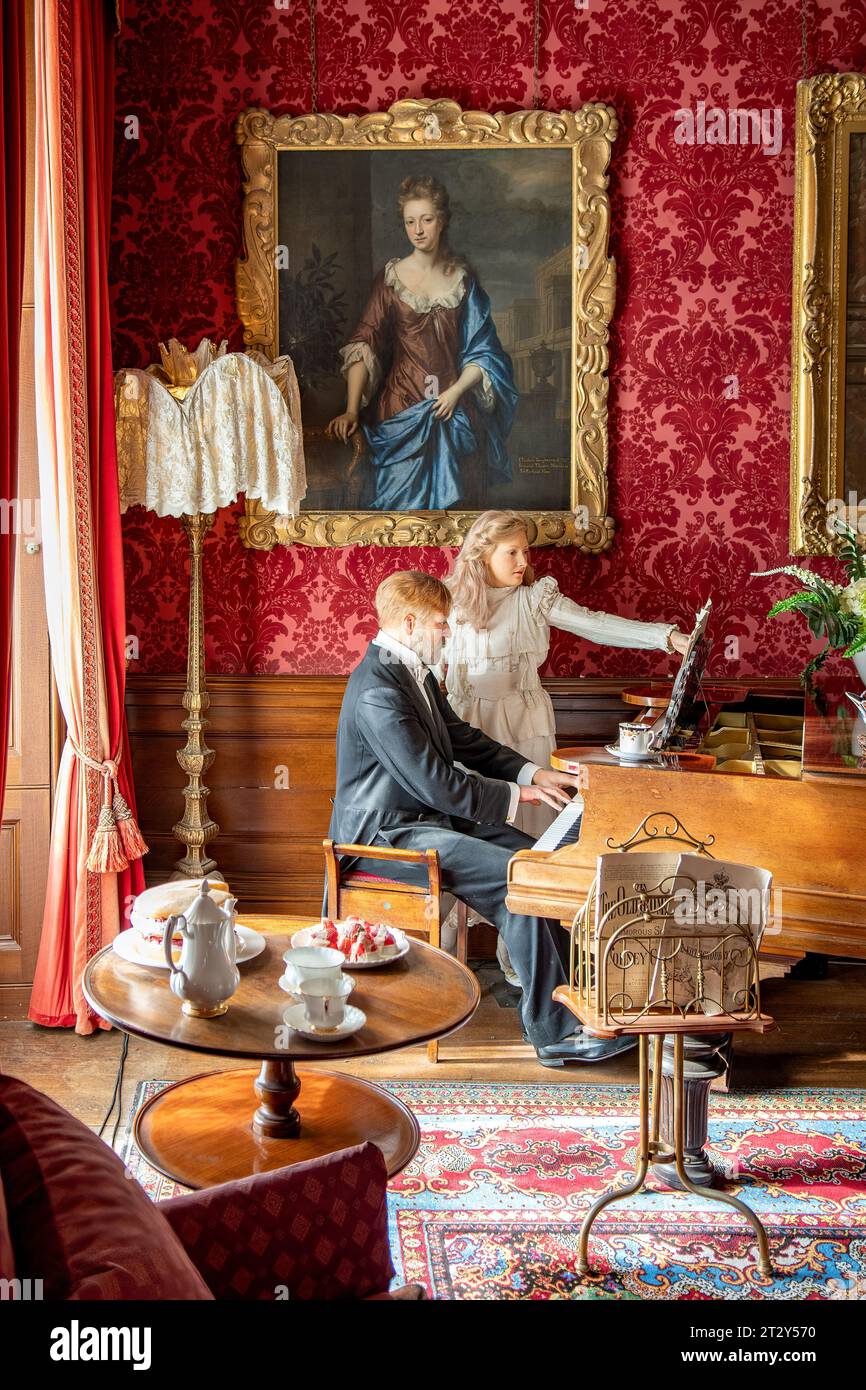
196	829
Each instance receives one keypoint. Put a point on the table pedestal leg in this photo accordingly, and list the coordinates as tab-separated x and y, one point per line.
277	1087
202	1131
705	1056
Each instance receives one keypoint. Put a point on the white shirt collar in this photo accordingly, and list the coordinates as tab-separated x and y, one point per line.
403	653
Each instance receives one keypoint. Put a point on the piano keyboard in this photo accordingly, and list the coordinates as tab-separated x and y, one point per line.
565	830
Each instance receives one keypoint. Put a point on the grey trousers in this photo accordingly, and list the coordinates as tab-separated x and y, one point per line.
474	863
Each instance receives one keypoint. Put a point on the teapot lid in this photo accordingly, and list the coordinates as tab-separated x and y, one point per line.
203	911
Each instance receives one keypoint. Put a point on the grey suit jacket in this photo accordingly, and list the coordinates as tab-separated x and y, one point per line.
395	759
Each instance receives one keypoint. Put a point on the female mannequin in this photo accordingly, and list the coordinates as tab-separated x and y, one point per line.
500	634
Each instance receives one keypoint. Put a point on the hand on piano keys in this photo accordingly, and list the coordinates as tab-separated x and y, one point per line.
551	788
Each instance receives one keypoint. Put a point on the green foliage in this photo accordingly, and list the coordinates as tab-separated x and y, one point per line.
805	599
820	604
850	553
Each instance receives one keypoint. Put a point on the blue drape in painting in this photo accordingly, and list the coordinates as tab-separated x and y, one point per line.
417	460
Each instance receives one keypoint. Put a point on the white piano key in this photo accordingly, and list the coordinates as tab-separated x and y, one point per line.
565	830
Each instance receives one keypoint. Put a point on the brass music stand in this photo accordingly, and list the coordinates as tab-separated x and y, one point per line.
652	940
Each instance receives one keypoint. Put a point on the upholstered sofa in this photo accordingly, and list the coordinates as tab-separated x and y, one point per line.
72	1217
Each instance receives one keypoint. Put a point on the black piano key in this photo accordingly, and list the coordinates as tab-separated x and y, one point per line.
572	835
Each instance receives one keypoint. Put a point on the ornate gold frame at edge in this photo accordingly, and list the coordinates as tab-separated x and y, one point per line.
590	132
826	105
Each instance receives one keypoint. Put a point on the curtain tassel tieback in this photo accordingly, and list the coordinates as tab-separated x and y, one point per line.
117	839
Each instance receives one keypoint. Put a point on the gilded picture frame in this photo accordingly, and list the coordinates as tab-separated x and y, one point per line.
421	126
828	350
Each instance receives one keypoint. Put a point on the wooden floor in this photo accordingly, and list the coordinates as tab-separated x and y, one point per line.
820	1041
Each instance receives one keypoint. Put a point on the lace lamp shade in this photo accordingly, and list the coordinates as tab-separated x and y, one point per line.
203	427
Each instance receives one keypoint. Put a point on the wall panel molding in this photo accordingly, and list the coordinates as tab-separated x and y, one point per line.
270	839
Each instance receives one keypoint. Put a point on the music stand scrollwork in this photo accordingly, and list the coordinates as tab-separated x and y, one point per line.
650	967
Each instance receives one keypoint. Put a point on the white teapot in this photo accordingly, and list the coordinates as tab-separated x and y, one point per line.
207	974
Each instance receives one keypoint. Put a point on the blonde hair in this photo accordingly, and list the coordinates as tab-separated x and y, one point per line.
469	582
410	591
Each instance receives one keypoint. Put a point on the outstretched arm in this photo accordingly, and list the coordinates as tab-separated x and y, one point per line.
608	629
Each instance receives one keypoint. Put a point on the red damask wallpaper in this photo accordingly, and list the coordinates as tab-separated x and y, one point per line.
702	240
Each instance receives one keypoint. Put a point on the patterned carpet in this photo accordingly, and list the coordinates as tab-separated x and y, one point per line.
491	1206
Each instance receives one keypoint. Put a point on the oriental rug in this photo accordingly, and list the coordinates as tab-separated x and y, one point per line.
491	1205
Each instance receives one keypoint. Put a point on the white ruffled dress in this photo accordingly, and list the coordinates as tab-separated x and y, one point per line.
492	678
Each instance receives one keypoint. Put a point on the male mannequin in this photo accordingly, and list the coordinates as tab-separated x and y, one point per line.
411	774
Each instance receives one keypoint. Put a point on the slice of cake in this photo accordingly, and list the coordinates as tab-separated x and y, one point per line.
152	909
357	939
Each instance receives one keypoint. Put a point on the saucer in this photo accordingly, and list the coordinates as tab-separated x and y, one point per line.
617	752
353	1019
293	988
250	944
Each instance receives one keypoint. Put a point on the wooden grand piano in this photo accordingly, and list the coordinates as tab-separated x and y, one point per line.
777	780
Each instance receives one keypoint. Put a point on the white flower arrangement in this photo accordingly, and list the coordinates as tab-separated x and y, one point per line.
834	611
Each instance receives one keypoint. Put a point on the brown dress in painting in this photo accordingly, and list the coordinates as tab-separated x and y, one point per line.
414	348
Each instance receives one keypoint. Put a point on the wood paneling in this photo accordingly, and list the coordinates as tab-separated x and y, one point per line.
270	784
270	842
23	849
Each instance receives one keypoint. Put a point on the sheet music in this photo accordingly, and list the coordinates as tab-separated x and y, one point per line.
714	897
687	683
565	830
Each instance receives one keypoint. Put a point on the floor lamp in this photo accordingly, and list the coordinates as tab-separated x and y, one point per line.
193	433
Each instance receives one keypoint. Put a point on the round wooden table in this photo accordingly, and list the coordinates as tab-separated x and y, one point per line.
205	1130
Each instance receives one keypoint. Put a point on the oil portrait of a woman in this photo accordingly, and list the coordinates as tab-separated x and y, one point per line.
427	379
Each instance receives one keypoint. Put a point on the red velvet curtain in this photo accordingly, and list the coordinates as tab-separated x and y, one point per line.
78	470
92	32
13	154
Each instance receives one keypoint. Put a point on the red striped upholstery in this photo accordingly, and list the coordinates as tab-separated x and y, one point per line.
361	876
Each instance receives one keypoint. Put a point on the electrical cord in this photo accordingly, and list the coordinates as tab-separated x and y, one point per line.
117	1096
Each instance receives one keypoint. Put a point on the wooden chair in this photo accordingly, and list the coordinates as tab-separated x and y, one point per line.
414	908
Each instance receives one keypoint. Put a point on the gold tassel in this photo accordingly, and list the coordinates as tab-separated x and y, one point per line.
133	841
106	852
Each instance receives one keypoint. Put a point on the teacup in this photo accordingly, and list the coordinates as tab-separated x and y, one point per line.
635	738
325	1002
313	965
